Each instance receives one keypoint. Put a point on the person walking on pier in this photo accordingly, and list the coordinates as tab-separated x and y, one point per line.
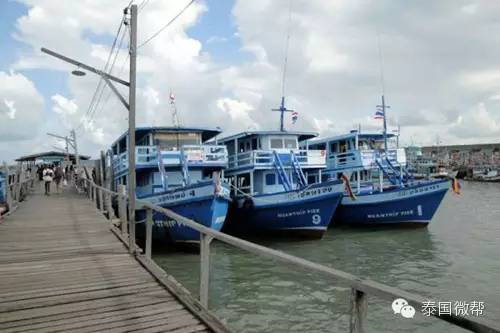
48	175
58	176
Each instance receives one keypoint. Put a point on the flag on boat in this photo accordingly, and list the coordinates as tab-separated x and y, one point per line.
295	116
172	98
379	114
455	186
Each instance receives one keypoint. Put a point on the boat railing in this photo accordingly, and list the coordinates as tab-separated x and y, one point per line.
365	159
194	154
265	158
360	288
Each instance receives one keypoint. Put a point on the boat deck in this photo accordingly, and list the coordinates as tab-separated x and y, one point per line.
62	270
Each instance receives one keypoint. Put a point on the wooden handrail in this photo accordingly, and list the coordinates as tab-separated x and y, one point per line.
360	287
17	189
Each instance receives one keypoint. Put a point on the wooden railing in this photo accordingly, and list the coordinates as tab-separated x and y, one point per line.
17	185
360	288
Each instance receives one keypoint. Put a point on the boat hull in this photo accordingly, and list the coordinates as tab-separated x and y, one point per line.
198	203
304	213
411	206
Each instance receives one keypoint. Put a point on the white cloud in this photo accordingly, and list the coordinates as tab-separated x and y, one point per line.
239	112
21	110
440	61
63	106
478	124
470	8
11	112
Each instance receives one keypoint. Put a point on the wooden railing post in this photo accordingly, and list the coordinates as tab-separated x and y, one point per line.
8	193
359	305
122	208
204	268
89	188
18	183
149	231
100	197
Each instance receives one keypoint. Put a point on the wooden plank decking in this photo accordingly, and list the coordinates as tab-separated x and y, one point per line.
62	269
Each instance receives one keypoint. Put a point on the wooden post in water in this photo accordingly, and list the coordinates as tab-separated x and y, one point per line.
204	268
359	305
149	232
122	208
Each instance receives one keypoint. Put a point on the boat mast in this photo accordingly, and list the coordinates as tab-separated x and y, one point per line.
382	107
385	124
282	107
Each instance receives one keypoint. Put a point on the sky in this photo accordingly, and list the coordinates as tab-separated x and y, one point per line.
436	62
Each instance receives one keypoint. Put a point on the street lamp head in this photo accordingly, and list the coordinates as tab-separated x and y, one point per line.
78	72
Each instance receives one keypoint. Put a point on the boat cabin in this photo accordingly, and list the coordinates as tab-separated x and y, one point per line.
270	161
360	156
168	158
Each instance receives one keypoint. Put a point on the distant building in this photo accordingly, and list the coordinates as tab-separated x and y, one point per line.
464	155
51	157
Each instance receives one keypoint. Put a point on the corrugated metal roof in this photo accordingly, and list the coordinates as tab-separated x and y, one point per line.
301	135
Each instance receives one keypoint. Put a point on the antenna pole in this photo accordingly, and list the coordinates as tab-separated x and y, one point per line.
385	124
282	110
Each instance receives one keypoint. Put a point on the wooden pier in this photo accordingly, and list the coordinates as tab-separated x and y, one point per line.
62	269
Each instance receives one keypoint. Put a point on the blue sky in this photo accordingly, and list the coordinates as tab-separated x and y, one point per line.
215	30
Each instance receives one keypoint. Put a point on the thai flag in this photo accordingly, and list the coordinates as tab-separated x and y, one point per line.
295	116
172	98
379	114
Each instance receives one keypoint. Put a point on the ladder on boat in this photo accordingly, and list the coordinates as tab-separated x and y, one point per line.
403	174
298	170
161	168
390	175
280	170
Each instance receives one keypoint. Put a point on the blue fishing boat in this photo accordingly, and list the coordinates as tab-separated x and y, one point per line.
270	184
176	169
381	190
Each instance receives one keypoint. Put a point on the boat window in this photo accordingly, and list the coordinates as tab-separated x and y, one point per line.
270	179
242	147
290	143
343	146
333	147
174	141
325	177
311	179
276	143
318	146
142	179
254	144
248	146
